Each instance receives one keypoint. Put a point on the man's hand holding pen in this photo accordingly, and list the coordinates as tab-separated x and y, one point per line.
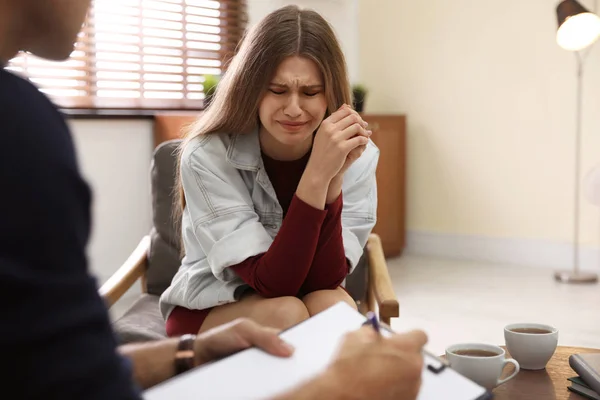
368	362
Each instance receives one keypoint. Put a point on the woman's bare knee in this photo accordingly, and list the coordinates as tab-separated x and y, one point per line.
281	312
323	299
278	312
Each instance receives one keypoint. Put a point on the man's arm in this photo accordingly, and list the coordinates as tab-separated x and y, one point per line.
55	328
154	362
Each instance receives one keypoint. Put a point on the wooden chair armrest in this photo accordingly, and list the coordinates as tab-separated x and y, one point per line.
381	291
131	270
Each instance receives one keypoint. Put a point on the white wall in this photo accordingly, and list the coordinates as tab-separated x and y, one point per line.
490	103
114	156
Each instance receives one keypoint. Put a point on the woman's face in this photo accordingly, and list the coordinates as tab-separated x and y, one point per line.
292	108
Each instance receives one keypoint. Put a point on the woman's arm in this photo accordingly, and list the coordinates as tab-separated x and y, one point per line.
227	229
342	239
329	267
282	270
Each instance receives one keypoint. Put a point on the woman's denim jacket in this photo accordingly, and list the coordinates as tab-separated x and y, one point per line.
232	213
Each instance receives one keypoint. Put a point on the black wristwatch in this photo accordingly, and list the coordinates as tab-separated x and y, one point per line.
185	356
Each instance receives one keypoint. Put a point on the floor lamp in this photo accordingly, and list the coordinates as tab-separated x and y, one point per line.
578	29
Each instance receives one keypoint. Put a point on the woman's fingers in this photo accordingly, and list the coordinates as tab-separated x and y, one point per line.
341	113
356	152
352	143
351	119
354	130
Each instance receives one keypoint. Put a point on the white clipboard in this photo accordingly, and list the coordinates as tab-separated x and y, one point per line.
254	374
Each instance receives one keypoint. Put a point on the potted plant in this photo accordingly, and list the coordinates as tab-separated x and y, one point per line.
359	92
210	85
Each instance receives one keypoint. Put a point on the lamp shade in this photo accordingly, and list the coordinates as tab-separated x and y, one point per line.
577	27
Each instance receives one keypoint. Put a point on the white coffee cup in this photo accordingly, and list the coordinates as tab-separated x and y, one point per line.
484	370
531	350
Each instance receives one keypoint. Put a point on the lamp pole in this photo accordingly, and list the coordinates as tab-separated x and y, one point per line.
576	276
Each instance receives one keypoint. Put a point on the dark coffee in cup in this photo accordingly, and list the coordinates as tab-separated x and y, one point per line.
534	331
475	353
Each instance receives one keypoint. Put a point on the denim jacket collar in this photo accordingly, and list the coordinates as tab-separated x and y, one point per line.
244	151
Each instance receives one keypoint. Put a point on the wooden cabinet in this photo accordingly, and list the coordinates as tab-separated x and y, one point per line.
389	134
171	125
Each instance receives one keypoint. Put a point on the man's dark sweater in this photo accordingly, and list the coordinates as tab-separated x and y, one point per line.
55	334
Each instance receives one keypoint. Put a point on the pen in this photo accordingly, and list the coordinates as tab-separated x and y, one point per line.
374	322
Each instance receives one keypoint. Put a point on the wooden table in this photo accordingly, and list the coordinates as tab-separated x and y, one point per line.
548	384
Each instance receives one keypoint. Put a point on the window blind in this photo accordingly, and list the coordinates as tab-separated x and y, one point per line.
142	54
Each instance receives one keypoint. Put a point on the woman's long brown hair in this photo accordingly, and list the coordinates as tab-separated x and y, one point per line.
288	31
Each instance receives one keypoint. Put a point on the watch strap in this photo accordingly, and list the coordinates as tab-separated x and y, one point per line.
185	356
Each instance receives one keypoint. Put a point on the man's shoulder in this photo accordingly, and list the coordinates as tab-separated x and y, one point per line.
22	105
19	95
29	120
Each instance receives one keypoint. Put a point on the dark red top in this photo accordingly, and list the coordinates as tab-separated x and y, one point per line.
307	253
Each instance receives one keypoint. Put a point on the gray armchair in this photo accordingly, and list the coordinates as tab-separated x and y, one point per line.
157	257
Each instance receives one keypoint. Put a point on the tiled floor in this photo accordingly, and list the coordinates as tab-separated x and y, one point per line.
458	301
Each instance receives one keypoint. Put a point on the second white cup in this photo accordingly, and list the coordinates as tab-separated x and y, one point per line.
532	345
